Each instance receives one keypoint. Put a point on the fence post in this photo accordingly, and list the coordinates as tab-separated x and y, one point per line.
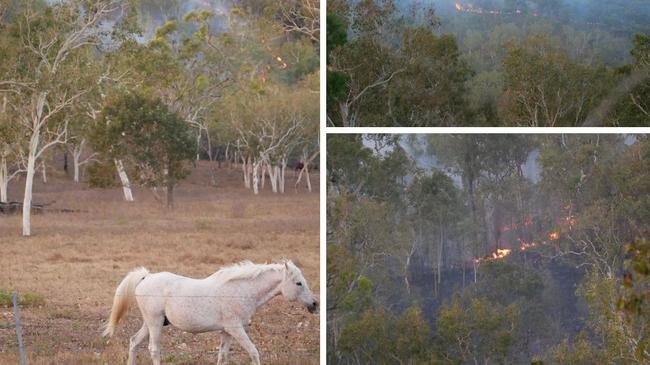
19	333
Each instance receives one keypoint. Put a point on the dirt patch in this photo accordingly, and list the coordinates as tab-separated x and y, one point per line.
76	260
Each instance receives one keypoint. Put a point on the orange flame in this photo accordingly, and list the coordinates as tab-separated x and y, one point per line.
281	64
498	254
565	224
501	253
570	221
526	245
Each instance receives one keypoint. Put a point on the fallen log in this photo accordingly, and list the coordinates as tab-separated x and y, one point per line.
37	208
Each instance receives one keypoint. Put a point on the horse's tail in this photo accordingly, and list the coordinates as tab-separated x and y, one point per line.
123	297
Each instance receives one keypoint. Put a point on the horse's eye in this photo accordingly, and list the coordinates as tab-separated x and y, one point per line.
299	283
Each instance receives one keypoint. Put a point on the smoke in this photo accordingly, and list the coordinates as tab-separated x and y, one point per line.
154	13
415	147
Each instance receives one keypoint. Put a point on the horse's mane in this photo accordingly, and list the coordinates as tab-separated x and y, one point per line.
244	270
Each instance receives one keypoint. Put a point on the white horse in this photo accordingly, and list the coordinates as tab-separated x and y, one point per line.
224	301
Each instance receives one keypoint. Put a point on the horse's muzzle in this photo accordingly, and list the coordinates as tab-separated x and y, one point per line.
313	307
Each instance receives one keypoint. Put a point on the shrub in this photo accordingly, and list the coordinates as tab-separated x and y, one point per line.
100	175
25	300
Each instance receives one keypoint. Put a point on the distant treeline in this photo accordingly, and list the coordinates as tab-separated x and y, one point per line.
455	63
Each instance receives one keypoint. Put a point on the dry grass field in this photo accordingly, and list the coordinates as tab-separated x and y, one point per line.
76	260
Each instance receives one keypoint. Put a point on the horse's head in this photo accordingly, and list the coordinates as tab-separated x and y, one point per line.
295	287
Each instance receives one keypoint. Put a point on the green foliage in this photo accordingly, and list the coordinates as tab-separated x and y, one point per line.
143	131
5	298
347	160
634	298
337	32
480	332
635	109
380	337
544	87
579	352
392	68
24	300
348	290
641	50
410	66
505	282
353	166
304	60
419	243
337	86
614	332
100	175
32	299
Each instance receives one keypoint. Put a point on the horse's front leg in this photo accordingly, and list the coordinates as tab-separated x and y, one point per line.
226	340
242	338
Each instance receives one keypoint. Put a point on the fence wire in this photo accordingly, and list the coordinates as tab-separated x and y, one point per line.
33	331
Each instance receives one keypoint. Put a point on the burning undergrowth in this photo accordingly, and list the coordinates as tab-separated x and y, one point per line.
512	236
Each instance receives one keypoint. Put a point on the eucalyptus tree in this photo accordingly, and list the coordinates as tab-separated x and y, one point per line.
308	144
43	78
577	173
603	178
271	103
490	170
82	116
545	88
463	155
302	17
11	158
196	69
153	139
364	61
629	103
269	127
436	209
392	67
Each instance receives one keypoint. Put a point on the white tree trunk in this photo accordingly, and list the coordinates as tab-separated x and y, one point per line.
4	180
226	155
246	169
44	171
76	159
29	183
124	178
35	151
305	170
76	154
198	145
273	176
278	175
308	178
256	176
265	166
283	169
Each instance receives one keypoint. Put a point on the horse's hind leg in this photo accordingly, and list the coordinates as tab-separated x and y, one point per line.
135	341
240	335
226	340
155	331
